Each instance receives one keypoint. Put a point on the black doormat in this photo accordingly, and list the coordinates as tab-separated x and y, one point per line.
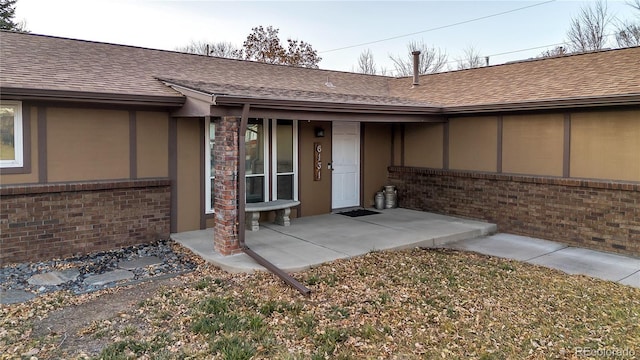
358	212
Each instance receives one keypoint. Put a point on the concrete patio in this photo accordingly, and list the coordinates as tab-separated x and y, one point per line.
313	240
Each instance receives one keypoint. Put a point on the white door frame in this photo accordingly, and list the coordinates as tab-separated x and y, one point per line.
345	157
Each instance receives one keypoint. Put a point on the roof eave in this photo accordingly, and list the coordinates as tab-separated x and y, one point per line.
91	97
320	106
552	104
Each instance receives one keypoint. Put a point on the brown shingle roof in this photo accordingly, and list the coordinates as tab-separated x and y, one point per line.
38	62
605	73
44	62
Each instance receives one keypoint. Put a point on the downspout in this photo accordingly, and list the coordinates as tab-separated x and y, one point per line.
242	205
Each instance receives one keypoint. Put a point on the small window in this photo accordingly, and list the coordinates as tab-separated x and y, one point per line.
256	162
210	173
11	146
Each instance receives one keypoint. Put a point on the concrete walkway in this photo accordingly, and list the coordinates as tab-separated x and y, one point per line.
572	260
313	240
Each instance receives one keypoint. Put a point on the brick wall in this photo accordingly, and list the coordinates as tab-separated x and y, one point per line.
594	214
42	222
225	230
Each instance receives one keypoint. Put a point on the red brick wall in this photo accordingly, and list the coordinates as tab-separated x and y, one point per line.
225	230
588	213
42	222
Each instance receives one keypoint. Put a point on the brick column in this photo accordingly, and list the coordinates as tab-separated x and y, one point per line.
225	231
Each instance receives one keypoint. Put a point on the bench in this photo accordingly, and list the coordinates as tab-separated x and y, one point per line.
282	208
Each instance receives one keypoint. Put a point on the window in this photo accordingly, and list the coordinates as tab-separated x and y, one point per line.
210	174
256	162
11	150
285	148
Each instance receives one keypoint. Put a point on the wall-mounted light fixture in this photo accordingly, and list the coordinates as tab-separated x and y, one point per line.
319	132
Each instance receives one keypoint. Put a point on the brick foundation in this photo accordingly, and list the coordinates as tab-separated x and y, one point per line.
588	213
43	222
225	230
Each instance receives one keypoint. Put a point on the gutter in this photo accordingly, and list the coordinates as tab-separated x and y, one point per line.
92	97
242	205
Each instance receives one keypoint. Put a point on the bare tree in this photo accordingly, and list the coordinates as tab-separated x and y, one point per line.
366	64
432	60
627	32
219	49
588	29
556	51
471	59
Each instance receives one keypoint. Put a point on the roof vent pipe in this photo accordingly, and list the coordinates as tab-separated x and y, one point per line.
416	66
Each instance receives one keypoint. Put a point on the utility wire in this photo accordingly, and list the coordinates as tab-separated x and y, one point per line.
437	28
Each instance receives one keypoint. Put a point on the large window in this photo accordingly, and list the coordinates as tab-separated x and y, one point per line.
11	151
280	174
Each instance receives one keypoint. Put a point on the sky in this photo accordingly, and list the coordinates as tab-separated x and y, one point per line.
336	29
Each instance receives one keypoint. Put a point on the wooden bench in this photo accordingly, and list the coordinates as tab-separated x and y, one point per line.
281	207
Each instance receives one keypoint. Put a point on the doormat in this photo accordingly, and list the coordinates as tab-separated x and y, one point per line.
358	212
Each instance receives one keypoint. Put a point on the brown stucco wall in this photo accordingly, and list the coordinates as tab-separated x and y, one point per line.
43	222
31	176
188	174
315	196
473	143
533	144
606	145
593	214
152	139
376	159
87	144
423	145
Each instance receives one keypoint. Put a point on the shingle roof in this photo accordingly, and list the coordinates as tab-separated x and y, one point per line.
605	73
44	62
290	94
38	62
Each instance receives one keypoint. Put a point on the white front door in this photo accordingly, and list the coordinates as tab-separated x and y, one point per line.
345	179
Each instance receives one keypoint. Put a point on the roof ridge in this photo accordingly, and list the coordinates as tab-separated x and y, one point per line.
529	60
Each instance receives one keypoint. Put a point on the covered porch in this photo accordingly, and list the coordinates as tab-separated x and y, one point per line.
313	240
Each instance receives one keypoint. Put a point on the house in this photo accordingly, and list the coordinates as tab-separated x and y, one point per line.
107	145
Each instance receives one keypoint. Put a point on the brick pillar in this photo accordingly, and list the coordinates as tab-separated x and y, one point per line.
225	231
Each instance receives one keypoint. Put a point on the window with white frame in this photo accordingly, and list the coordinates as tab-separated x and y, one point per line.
256	161
11	146
284	154
210	175
285	150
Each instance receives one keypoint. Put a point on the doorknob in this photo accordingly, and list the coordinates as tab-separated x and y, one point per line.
330	166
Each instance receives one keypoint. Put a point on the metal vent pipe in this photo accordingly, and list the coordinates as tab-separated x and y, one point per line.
416	66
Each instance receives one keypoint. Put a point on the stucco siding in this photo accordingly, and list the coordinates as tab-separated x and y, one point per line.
152	133
188	171
377	157
473	143
423	145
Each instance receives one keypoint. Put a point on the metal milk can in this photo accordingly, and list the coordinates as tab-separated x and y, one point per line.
379	200
390	197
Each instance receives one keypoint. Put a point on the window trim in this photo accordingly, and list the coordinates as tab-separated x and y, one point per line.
274	151
18	136
208	174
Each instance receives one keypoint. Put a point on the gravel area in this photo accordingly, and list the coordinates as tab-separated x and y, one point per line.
167	262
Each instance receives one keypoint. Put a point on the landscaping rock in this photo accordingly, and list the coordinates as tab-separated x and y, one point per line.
15	296
54	277
108	277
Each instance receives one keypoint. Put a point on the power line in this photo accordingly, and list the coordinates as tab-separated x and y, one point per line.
437	28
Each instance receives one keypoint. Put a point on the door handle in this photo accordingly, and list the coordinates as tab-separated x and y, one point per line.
330	166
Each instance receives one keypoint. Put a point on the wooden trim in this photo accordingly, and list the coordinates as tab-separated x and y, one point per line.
361	177
445	145
499	147
203	183
173	172
133	145
393	144
42	145
566	155
402	144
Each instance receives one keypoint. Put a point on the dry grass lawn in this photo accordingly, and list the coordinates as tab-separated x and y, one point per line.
384	305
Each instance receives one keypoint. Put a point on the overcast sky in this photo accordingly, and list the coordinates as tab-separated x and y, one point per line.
326	25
